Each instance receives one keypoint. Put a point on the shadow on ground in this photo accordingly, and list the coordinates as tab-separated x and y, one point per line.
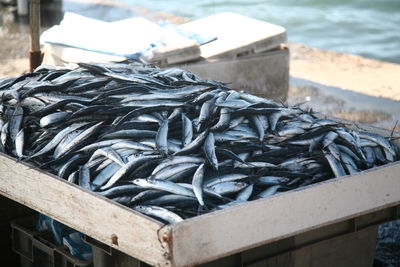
345	104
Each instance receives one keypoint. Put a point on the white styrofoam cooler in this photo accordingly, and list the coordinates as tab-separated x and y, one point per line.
237	35
248	54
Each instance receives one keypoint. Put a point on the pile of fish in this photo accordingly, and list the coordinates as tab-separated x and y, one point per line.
170	145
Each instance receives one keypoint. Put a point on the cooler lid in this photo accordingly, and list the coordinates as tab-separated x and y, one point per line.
236	35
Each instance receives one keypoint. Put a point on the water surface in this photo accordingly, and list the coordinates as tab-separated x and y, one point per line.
369	28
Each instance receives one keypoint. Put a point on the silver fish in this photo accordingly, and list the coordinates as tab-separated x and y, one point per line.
198	183
164	186
176	160
57	139
77	140
209	151
269	191
19	144
159	212
225	188
133	163
162	138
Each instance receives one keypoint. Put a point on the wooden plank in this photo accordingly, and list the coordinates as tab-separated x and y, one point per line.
206	237
34	21
235	229
353	249
96	216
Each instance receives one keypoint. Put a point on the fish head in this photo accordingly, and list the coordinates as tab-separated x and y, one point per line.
141	182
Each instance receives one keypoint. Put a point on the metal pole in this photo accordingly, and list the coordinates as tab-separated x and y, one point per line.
35	56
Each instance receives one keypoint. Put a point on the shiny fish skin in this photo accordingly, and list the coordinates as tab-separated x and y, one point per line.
209	151
121	190
329	138
130	134
159	212
175	172
97	145
205	112
66	169
15	122
167	143
131	145
162	138
349	164
110	153
193	145
198	183
379	140
4	134
106	174
225	188
84	177
177	160
133	163
53	118
187	130
269	191
19	144
67	139
271	180
336	167
224	120
255	120
55	141
225	178
245	194
164	186
78	140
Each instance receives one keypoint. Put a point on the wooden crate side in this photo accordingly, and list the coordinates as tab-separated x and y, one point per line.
353	249
98	217
215	235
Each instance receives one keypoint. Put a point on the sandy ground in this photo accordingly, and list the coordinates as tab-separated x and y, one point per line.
363	75
345	86
13	54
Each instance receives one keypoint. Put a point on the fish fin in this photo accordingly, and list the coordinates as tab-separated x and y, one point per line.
393	129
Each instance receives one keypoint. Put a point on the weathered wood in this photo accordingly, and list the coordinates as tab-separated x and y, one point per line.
352	249
210	236
34	21
96	216
35	56
222	233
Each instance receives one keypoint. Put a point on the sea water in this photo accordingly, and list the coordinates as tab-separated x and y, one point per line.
369	28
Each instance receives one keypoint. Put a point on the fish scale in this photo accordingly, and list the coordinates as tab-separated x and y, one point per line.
165	142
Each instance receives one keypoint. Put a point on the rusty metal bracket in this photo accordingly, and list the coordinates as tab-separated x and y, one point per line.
35	59
35	56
